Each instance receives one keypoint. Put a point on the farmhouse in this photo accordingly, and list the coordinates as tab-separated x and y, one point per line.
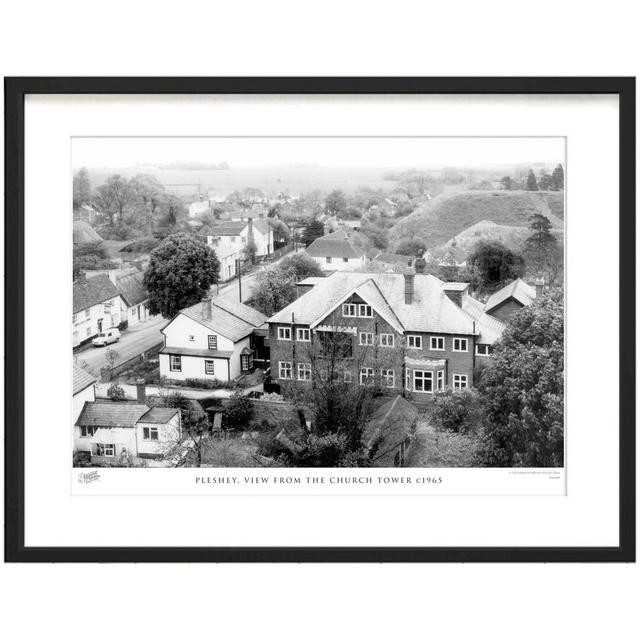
337	251
408	334
96	306
213	340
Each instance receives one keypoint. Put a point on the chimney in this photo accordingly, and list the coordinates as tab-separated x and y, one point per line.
539	286
408	288
456	291
141	392
420	264
206	307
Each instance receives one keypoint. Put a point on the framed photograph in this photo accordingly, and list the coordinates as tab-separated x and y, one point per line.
320	319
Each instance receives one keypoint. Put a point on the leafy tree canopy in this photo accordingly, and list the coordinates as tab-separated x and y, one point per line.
411	247
493	263
181	271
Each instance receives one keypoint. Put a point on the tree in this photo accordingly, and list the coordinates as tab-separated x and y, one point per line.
111	356
557	179
180	273
335	203
544	182
532	183
302	266
274	289
114	195
411	247
491	263
195	425
377	236
281	233
81	188
250	249
238	412
540	246
522	390
90	256
312	230
507	183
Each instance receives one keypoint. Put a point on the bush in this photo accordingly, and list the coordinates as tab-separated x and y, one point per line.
116	393
203	383
238	412
456	411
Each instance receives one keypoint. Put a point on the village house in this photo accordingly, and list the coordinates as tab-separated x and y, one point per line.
395	260
84	390
198	208
110	431
506	301
337	251
231	238
213	340
96	306
133	294
409	334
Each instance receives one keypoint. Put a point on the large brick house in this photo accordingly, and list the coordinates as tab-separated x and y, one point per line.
409	333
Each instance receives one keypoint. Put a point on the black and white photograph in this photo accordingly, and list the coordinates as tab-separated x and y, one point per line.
329	302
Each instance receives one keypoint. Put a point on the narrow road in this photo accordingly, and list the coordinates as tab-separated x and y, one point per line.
132	342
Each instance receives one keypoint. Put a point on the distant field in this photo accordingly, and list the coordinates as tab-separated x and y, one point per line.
271	181
444	217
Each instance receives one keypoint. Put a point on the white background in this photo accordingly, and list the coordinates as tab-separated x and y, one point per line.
489	38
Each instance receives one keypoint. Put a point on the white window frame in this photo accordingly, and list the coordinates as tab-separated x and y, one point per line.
284	366
215	342
149	432
440	379
436	340
304	368
301	333
483	355
104	454
365	374
388	375
282	333
459	379
416	339
175	363
213	368
362	311
425	375
347	376
87	431
367	336
460	341
349	310
387	338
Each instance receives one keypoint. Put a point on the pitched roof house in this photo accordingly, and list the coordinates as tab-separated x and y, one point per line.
412	333
110	431
83	390
511	298
234	235
338	251
96	306
213	340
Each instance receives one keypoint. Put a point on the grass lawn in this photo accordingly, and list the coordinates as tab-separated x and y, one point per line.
434	448
231	451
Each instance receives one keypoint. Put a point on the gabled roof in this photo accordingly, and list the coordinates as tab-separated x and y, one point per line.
81	380
131	286
232	320
158	415
92	291
489	328
396	258
430	311
114	414
235	227
334	245
518	290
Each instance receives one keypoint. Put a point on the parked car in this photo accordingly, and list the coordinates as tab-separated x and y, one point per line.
106	337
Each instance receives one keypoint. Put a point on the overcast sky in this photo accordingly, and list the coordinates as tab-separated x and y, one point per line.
344	152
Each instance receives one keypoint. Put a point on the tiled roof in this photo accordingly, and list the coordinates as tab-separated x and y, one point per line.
159	415
431	310
114	414
334	245
311	281
519	290
131	286
186	351
235	227
396	258
489	328
92	291
81	380
230	319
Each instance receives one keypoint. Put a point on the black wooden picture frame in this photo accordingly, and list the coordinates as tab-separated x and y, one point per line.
15	91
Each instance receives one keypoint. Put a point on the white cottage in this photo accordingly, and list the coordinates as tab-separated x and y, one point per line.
211	340
84	390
